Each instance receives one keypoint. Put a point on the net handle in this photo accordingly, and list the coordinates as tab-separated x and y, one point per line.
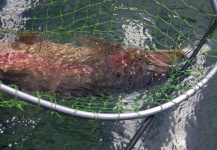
108	116
214	5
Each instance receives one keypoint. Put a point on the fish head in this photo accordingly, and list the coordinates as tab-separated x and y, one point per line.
155	61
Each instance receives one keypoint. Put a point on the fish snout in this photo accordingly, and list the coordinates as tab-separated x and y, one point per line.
162	60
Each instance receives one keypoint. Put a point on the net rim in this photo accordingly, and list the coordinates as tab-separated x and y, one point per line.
108	116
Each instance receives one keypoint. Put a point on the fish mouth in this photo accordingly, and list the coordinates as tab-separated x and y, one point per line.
164	58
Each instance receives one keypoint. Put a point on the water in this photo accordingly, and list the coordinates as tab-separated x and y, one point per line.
191	125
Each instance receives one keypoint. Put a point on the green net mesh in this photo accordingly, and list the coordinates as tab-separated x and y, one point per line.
149	25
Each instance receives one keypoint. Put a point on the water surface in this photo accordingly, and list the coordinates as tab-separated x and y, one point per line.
191	125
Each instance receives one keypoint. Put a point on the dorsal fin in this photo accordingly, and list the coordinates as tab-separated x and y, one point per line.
28	41
28	37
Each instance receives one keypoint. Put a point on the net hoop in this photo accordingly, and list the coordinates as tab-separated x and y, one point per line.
108	116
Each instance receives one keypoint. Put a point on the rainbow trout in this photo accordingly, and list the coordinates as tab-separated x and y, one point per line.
37	64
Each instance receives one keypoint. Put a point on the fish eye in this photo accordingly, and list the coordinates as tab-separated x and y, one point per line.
149	63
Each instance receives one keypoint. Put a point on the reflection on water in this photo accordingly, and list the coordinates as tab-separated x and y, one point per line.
11	16
191	125
133	36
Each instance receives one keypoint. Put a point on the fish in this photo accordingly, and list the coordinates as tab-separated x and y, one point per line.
96	67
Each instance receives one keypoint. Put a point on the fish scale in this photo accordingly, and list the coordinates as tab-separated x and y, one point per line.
95	67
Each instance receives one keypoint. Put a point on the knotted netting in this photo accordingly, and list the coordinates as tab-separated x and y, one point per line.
108	24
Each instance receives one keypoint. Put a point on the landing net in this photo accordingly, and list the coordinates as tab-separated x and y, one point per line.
147	25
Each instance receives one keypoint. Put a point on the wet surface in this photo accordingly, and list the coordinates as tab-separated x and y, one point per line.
93	68
190	125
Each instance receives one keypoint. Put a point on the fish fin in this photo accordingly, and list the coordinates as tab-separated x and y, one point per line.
28	37
27	41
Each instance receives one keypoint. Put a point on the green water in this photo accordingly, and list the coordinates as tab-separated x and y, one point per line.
191	125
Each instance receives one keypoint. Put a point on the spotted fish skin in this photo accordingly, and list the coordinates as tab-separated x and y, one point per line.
96	67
